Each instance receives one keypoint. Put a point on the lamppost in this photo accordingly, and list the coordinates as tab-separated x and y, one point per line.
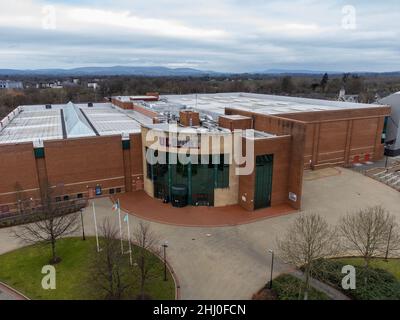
165	246
272	267
388	243
83	226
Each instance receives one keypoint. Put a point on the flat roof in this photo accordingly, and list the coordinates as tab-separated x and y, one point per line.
259	103
236	117
36	123
134	98
108	120
33	124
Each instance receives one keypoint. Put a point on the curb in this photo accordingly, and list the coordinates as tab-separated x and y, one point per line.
14	292
254	220
174	277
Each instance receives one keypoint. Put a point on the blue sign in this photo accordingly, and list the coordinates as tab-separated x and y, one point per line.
98	190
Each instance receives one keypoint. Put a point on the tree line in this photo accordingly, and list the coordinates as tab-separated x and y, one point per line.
312	86
368	233
110	272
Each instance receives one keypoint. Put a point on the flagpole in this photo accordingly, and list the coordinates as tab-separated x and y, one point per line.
120	226
95	228
129	241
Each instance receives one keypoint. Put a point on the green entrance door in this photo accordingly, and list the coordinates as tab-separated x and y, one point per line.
202	184
263	184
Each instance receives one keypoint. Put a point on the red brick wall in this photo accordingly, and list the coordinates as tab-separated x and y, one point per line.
17	164
121	104
232	124
136	156
331	137
338	114
185	117
297	131
83	163
146	112
283	172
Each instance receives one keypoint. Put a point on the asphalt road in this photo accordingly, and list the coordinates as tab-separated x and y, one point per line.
233	262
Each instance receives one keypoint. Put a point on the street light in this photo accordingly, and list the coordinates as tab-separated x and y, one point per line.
165	246
272	267
31	204
83	226
388	243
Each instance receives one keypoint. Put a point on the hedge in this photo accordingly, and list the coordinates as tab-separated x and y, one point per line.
371	283
287	287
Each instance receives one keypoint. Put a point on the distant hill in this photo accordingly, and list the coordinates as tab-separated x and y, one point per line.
318	72
109	71
158	71
297	72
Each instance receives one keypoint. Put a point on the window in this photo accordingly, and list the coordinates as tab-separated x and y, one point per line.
66	198
58	199
149	171
118	190
111	191
149	168
384	132
79	195
126	144
222	173
39	153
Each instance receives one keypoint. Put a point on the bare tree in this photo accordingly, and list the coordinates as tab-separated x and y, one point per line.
109	269
147	243
308	239
23	202
53	224
371	232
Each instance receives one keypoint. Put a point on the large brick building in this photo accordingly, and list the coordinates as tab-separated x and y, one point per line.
92	150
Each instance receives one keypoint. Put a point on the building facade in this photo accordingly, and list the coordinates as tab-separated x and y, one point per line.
102	149
392	124
9	84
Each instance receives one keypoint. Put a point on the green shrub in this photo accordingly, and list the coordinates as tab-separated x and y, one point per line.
371	283
287	287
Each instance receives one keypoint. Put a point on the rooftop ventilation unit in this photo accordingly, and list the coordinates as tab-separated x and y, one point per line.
48	106
210	125
90	104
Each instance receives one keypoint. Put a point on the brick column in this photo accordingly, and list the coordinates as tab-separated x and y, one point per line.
126	154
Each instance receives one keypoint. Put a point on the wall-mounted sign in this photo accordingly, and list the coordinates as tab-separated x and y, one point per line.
98	190
292	196
188	142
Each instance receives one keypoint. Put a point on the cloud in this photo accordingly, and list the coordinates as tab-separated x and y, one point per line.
224	35
125	20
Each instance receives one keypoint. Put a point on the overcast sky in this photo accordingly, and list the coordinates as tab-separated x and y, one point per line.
220	35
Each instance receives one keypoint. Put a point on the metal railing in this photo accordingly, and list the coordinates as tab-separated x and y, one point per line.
27	215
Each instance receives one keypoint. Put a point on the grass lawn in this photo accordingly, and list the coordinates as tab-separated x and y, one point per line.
392	266
21	269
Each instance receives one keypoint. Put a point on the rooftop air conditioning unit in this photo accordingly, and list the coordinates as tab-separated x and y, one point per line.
48	106
90	104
